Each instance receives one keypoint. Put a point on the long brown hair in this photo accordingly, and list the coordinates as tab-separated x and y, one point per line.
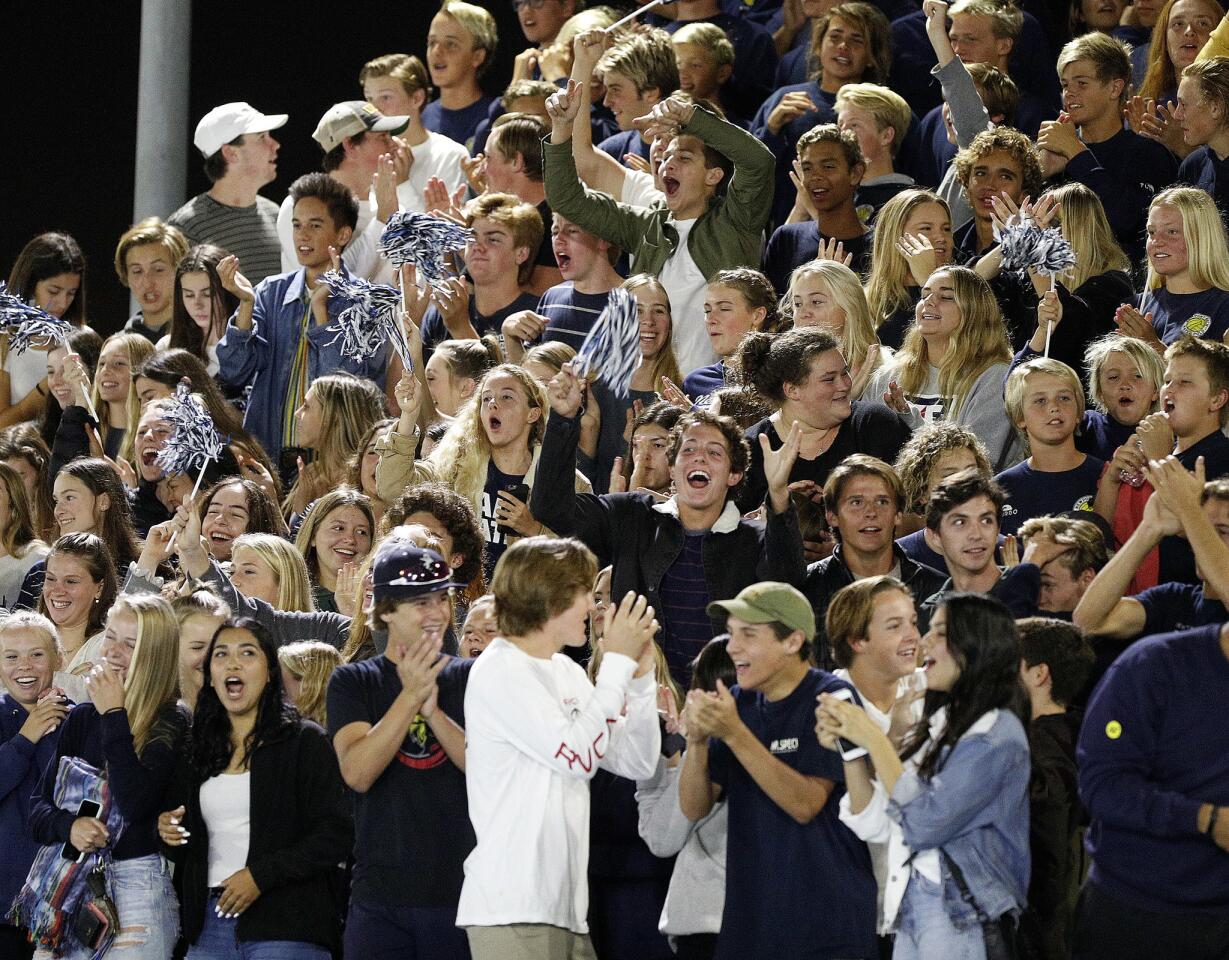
92	552
185	334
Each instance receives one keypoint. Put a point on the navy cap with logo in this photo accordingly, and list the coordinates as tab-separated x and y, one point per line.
403	571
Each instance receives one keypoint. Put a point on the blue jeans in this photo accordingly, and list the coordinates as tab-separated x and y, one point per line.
148	914
375	931
217	942
926	931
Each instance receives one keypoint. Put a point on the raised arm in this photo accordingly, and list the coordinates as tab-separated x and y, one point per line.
596	168
1105	610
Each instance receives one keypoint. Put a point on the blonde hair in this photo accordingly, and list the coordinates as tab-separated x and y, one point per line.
349	406
294	592
709	37
1109	56
1017	384
887	107
1006	19
552	353
1085	543
921	452
153	674
665	364
312	663
29	620
1143	356
359	635
139	350
151	230
859	331
850	613
479	24
1083	222
319	512
461	457
1206	245
646	59
978	343
887	286
405	68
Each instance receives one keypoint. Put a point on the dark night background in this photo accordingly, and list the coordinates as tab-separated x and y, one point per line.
69	122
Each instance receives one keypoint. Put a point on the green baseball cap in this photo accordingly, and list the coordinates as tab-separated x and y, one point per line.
768	602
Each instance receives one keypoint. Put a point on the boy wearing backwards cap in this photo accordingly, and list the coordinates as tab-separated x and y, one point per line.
402	753
752	743
359	152
537	732
240	158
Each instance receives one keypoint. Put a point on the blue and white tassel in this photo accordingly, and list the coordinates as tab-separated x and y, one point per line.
423	240
612	347
370	317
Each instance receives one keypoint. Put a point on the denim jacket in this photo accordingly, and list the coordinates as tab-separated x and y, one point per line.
975	809
264	355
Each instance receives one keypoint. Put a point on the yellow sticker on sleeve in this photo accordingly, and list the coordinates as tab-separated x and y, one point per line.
1113	729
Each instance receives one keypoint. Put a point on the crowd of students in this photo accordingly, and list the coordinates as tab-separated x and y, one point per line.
881	615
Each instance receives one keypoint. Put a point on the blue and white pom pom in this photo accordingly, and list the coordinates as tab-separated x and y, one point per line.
27	325
423	240
1017	241
612	346
370	317
1052	253
194	440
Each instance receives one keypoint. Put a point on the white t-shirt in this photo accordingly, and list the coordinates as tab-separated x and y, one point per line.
536	732
211	352
880	852
639	190
25	371
361	256
437	156
686	287
13	571
226	807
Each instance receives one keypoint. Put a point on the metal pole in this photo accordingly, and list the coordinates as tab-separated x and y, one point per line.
162	108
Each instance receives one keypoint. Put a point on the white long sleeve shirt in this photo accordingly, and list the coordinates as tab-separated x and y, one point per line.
536	731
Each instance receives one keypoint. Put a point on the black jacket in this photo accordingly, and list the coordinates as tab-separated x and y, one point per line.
1056	821
1016	589
625	530
825	577
301	829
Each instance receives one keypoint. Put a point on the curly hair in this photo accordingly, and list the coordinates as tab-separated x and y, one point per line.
455	514
1009	141
735	441
917	458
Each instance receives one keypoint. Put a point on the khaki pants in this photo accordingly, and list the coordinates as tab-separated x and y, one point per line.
528	941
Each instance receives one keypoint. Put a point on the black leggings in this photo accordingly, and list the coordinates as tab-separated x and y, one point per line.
696	946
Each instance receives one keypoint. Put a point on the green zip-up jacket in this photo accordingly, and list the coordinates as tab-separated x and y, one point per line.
730	233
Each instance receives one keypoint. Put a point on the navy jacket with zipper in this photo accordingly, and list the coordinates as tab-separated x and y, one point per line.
302	829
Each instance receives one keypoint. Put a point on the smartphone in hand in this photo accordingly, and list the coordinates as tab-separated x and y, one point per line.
88	808
848	749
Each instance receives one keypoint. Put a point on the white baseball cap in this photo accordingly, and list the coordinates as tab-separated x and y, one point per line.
350	117
223	124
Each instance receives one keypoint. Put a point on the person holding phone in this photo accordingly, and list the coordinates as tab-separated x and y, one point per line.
263	817
952	804
31	714
133	730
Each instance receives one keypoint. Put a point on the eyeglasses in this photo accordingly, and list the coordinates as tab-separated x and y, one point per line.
531	4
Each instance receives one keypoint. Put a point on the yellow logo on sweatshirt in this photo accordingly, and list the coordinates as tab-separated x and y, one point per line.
1113	729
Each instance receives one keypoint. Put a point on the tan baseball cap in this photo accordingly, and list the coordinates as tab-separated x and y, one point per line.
350	117
223	124
769	602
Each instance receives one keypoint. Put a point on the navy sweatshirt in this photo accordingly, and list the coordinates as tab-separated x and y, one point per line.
1153	748
21	765
1125	171
1202	168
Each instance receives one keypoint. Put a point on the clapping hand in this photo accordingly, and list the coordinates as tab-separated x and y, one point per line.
712	714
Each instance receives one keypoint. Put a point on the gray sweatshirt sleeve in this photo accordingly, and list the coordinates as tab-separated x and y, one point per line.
662	825
983	413
969	115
